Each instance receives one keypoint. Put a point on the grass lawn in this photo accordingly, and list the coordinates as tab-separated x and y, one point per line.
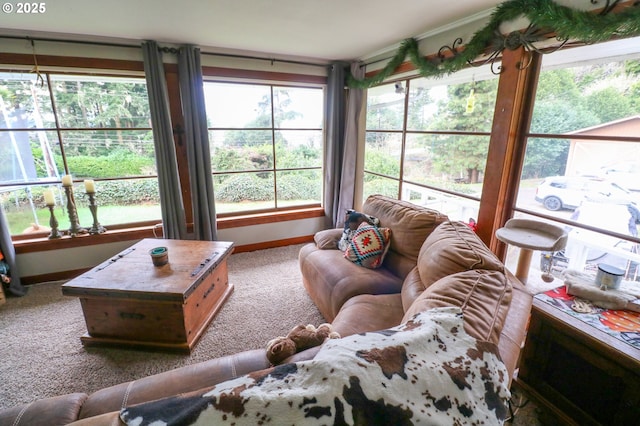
20	221
106	214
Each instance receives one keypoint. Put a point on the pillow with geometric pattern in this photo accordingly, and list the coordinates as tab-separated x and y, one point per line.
369	245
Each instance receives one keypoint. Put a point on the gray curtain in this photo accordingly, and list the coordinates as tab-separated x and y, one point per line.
334	152
172	208
346	192
197	140
9	252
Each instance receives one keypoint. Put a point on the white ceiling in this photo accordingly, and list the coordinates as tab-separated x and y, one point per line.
320	30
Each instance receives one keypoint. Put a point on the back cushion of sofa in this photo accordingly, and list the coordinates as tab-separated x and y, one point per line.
453	247
484	297
410	224
412	288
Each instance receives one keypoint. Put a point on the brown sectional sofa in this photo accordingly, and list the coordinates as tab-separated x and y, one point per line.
431	263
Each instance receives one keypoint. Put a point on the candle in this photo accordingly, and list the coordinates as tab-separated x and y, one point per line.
90	186
67	180
49	199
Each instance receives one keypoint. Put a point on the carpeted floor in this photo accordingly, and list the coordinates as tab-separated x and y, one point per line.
40	333
42	355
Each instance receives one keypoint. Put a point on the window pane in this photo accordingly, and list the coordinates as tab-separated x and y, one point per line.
246	134
241	150
109	154
461	107
298	148
101	102
25	210
298	108
120	201
382	153
24	102
232	105
385	108
244	192
29	157
299	187
127	201
456	208
454	162
379	185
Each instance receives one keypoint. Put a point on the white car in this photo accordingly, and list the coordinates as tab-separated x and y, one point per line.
568	192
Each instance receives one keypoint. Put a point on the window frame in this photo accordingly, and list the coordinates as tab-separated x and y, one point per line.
464	76
75	66
270	79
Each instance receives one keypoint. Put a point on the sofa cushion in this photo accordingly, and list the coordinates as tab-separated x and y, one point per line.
327	239
410	224
412	287
368	246
331	280
484	297
453	247
368	312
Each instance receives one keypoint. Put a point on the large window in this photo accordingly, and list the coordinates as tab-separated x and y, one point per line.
427	140
582	163
91	127
266	145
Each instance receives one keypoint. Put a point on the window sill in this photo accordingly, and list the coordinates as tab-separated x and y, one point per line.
127	234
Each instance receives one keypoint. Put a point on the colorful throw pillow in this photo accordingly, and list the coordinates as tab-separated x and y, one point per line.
352	221
369	245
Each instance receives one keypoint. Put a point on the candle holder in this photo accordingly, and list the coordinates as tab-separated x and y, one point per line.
96	228
53	223
75	227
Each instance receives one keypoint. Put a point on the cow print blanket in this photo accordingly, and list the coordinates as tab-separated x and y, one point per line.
427	371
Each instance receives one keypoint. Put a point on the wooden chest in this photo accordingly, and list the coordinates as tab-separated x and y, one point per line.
127	301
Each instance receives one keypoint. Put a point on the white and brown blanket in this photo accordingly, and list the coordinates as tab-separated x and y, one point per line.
426	371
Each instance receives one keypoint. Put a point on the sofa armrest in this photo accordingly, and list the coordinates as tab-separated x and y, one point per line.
328	239
54	411
514	331
180	380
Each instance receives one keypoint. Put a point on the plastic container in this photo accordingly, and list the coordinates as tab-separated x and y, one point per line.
159	256
608	276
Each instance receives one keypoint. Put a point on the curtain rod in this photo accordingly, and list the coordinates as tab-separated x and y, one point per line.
272	60
57	40
238	56
163	49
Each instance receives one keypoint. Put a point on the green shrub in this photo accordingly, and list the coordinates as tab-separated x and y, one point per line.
117	163
302	186
245	187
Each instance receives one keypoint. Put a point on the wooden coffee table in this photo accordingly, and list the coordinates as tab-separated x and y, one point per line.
129	302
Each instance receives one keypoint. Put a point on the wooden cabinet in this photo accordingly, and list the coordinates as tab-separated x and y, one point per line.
578	373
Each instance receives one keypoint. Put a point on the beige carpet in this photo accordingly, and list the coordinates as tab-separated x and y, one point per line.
41	353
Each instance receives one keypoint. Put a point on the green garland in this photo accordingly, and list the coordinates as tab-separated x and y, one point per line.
564	22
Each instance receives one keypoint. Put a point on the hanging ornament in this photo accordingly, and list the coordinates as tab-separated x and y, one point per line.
471	101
